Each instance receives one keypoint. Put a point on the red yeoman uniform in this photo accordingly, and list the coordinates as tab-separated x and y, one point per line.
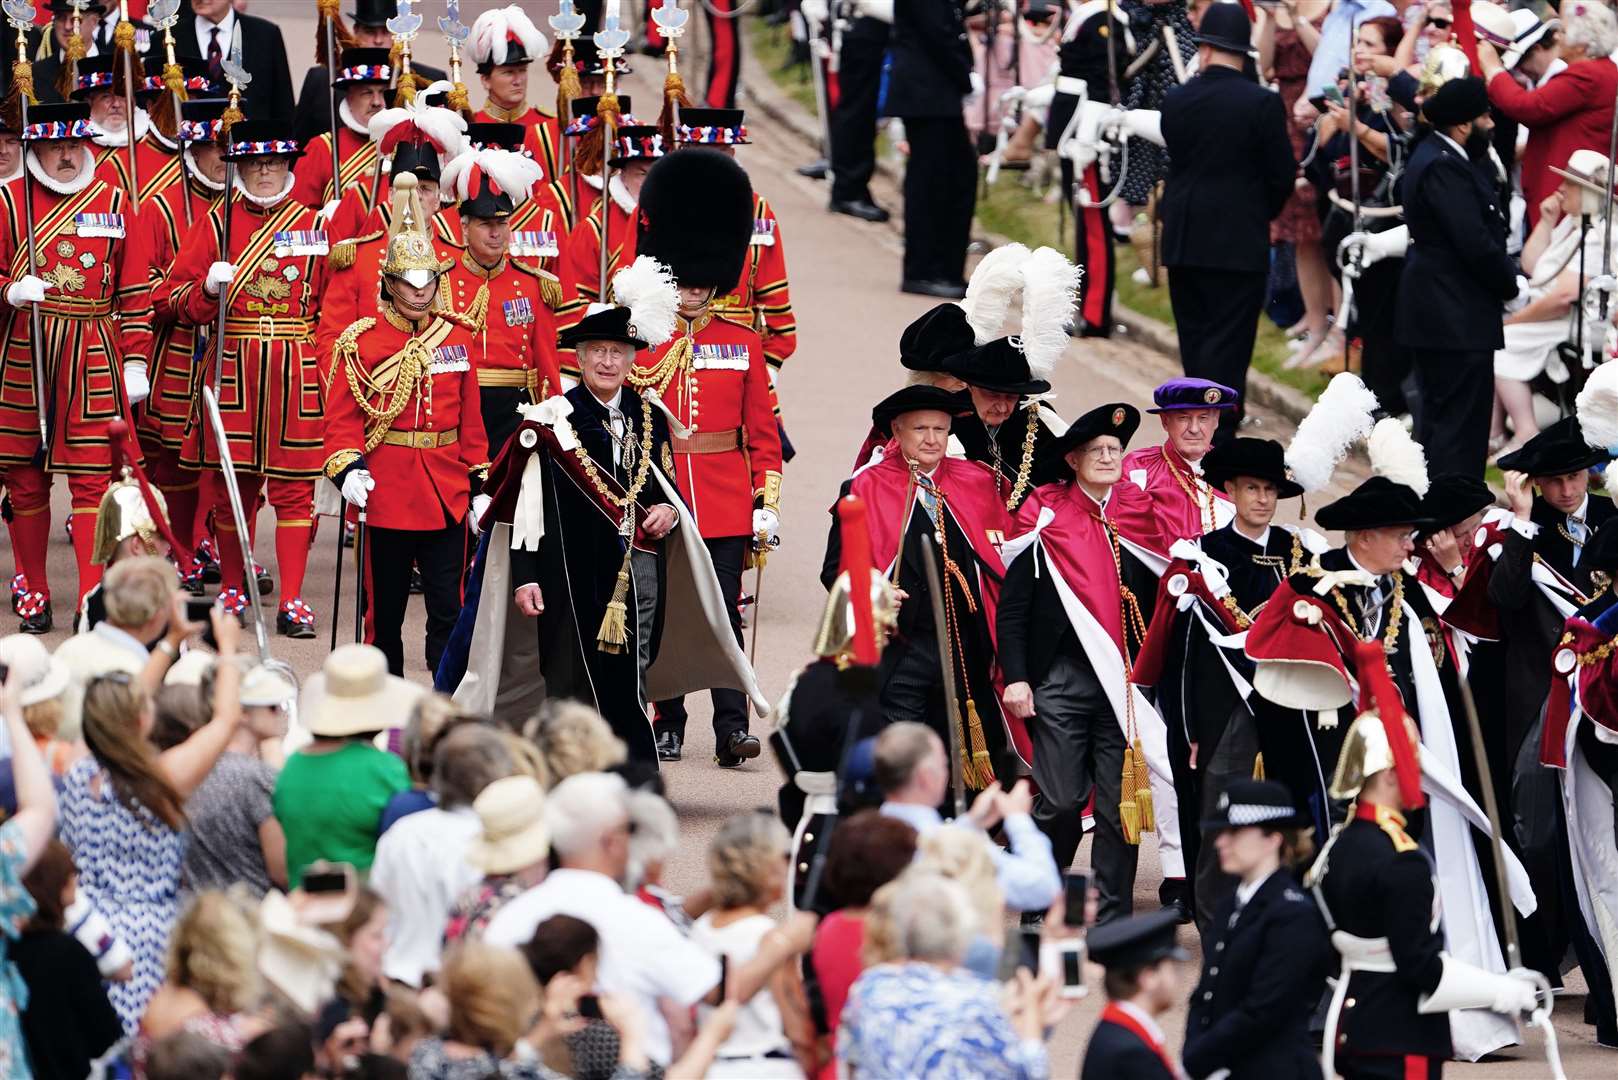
95	320
270	390
356	151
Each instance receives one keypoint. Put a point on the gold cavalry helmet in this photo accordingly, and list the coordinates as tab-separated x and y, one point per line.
834	640
411	256
123	513
1382	736
1366	752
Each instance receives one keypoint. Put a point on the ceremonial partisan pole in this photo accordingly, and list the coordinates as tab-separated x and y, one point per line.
123	36
163	14
328	37
455	34
610	42
237	78
671	19
20	13
567	24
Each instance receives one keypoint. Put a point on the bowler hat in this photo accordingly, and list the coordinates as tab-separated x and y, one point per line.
1555	451
938	334
1376	504
1136	942
916	399
1187	393
1254	802
1453	497
1261	459
1225	27
1118	419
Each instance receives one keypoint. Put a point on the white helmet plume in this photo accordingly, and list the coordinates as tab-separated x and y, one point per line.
1341	417
1395	455
1597	407
444	128
492	30
512	173
1050	287
647	288
996	279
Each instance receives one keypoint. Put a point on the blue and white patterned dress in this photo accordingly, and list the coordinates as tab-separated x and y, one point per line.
16	908
917	1020
129	865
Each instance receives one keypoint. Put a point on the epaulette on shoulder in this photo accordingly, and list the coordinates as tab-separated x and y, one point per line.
1390	825
550	286
736	319
344	252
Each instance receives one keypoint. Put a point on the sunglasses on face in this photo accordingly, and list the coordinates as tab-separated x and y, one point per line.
1442	24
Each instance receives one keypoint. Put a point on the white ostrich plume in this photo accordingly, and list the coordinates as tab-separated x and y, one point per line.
1597	407
514	174
492	29
647	288
997	278
1395	455
445	128
1050	288
1341	417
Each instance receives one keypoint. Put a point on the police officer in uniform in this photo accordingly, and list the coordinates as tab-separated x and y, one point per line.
1142	983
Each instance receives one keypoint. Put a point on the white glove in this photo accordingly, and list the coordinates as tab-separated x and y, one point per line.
357	487
1520	301
220	274
1144	124
1466	986
329	211
27	289
137	387
765	522
480	506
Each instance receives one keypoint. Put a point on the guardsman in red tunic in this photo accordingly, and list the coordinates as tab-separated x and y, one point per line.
95	313
538	227
696	219
175	376
157	150
634	149
509	302
504	43
762	296
417	136
363	77
404	437
268	378
1172	473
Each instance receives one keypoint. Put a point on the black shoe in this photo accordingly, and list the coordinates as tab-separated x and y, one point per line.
415	582
944	290
266	584
669	745
864	209
739	747
815	170
40	622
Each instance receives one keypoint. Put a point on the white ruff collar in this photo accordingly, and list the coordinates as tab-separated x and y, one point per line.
201	178
261	201
87	174
620	195
346	115
102	137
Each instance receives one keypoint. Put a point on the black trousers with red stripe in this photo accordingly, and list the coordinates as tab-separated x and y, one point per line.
441	554
1093	245
725	58
1389	1067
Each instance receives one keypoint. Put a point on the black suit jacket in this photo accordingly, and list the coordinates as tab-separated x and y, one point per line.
1530	625
313	116
1116	1053
929	59
264	56
1261	979
1231	170
1457	273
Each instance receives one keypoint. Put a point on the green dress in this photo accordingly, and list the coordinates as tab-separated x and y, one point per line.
329	804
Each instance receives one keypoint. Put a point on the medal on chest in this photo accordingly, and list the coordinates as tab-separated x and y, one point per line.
518	311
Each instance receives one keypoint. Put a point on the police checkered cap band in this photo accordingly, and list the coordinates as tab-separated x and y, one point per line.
713	136
365	73
78	129
199	130
94	80
267	146
1256	813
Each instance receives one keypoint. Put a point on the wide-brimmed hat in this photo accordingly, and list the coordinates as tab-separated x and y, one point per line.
1226	27
353	694
1378	503
1117	419
636	142
266	687
1254	802
1590	169
1530	31
602	324
193	74
39	675
1555	451
999	366
302	962
512	810
1188	393
1139	940
713	127
935	336
916	399
495	135
1262	459
58	120
1454	497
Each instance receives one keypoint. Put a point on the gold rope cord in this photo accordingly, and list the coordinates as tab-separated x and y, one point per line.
1135	810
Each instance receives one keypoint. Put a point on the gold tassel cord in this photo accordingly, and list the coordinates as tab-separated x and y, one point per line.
980	773
567	85
1135	808
977	768
1143	790
67	80
1128	811
458	99
674	96
614	633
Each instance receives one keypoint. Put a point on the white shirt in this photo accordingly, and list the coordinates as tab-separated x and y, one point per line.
1246	890
227	28
420	870
1027	873
1144	1019
643	956
759	1029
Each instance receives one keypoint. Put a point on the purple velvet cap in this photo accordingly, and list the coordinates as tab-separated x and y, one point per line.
1186	393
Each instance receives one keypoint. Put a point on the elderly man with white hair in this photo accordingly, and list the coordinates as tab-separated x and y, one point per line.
643	956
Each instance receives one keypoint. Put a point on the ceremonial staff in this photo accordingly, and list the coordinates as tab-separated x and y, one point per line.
67	80
20	13
566	24
123	38
237	512
328	45
237	78
405	26
671	19
163	14
455	34
610	42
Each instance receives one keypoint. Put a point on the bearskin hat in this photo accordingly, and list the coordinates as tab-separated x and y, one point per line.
696	217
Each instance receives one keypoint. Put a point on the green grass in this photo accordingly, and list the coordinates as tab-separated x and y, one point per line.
772	45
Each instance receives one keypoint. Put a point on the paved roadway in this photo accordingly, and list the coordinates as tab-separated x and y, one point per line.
845	276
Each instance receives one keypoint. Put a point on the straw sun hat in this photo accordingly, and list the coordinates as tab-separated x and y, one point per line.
353	694
512	810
